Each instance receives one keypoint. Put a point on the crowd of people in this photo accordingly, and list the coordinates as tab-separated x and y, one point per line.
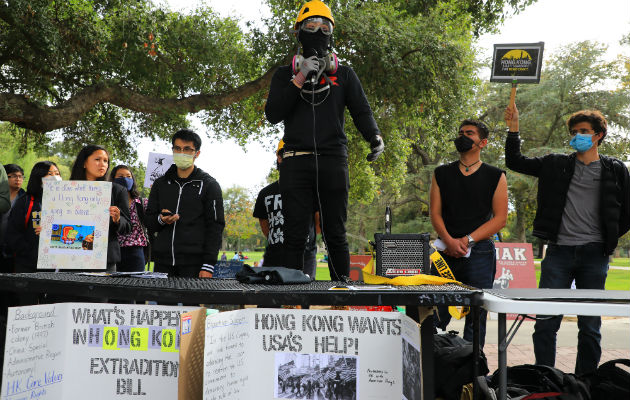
583	197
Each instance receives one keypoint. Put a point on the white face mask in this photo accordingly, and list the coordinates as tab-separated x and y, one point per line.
53	178
183	161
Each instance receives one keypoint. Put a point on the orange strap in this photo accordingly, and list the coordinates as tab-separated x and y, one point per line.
28	213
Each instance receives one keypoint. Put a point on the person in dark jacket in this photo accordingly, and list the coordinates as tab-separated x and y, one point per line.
310	96
92	164
15	173
22	236
583	209
185	214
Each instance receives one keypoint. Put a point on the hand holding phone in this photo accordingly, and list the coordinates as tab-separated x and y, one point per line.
168	217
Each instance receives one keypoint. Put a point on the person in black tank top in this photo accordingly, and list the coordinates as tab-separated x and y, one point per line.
468	206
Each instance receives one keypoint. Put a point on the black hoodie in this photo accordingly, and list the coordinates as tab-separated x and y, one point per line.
196	237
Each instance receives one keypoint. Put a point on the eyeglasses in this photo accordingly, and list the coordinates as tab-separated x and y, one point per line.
18	177
312	24
581	131
186	150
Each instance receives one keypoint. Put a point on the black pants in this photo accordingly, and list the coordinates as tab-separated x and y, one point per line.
182	271
299	199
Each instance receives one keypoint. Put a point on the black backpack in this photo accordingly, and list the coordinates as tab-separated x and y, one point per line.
609	381
547	382
453	364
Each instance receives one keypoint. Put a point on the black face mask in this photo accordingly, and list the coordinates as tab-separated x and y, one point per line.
314	43
463	143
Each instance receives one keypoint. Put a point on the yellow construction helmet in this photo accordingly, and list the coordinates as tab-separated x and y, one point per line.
314	8
280	146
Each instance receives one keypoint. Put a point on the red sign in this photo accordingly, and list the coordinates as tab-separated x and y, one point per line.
515	266
357	262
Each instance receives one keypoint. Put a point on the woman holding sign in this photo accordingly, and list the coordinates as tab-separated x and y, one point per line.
92	164
23	228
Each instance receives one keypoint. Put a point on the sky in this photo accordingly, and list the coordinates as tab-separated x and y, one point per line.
555	22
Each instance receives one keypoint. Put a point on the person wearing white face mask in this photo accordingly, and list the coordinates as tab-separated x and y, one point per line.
185	214
583	208
23	227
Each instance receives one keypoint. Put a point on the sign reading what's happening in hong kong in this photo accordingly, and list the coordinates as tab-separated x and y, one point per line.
517	62
96	351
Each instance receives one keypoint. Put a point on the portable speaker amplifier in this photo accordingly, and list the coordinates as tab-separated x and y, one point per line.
402	254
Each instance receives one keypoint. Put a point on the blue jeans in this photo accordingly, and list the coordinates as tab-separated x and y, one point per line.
588	265
477	271
131	259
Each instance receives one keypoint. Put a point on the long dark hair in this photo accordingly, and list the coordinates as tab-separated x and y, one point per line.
40	170
134	190
78	170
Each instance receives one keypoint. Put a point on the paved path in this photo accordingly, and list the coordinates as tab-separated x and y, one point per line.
615	342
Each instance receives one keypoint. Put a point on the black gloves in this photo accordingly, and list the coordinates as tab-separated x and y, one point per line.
377	146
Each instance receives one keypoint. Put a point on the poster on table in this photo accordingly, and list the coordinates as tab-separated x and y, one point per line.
75	225
515	268
520	62
318	354
109	351
157	165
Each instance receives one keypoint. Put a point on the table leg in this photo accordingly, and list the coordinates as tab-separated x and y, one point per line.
502	358
426	345
476	339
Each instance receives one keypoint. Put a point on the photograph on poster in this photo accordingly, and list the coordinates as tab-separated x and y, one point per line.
71	237
316	376
411	371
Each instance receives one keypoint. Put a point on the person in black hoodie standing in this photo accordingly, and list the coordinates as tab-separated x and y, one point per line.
310	96
583	209
185	214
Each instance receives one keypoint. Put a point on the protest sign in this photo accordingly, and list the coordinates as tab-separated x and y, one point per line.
157	165
520	62
291	354
100	351
515	266
75	225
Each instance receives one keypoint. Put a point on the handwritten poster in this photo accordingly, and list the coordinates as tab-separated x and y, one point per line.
75	225
157	165
296	354
70	350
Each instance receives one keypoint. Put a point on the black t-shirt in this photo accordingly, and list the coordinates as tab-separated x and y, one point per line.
269	206
466	200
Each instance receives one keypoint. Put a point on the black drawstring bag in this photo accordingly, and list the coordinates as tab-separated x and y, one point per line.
271	275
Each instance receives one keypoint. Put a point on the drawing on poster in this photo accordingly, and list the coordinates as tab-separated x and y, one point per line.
72	237
411	371
316	376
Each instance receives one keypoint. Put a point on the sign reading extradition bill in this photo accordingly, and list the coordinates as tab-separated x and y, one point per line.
95	351
315	354
520	62
75	225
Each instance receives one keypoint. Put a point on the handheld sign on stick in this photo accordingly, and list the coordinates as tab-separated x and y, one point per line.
517	63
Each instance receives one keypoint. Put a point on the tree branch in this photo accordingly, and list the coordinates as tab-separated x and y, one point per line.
40	118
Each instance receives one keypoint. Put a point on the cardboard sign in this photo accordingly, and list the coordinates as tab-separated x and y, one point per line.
227	269
515	266
95	351
296	354
157	165
517	61
75	225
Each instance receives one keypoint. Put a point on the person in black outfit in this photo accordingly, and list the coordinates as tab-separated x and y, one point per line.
92	164
309	96
269	211
468	206
185	214
22	238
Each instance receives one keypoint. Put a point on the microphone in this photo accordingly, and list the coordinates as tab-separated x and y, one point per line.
308	53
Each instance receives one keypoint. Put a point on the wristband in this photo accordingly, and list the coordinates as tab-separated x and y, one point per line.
299	79
208	268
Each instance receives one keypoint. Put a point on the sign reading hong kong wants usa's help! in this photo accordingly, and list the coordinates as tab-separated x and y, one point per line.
95	351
